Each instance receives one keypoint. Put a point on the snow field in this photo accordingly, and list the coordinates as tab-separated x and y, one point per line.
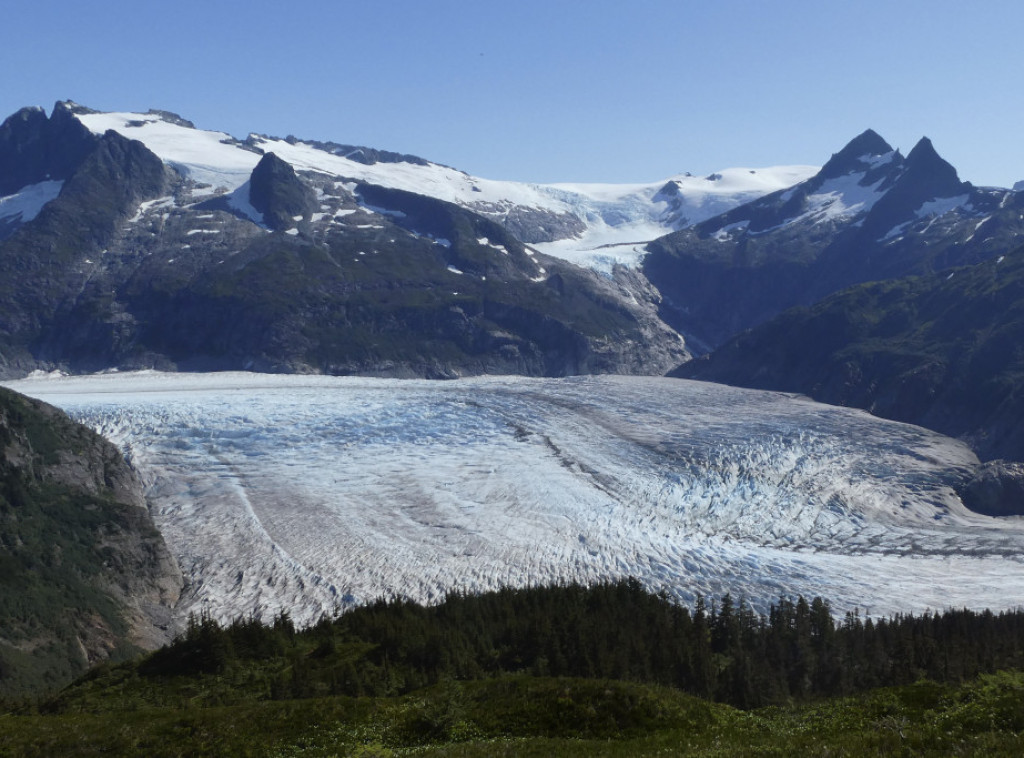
28	201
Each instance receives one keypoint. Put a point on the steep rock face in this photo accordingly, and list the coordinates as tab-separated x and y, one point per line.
869	214
855	156
277	193
85	576
47	262
414	287
34	148
925	177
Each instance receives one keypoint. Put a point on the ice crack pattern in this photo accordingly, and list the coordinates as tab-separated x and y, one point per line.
309	493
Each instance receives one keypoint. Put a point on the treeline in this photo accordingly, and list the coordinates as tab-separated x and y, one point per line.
721	650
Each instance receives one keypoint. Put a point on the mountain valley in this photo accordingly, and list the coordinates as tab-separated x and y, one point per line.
259	325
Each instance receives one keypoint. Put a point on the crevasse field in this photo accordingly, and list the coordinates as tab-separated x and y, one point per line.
309	493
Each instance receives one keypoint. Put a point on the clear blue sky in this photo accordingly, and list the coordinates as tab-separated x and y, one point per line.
556	90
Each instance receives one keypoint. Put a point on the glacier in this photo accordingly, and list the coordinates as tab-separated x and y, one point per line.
312	493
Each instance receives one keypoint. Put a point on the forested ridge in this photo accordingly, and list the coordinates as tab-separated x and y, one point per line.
611	669
721	650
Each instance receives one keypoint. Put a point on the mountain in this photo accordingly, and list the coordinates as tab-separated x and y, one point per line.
574	221
618	220
941	350
579	222
869	214
904	288
84	574
137	240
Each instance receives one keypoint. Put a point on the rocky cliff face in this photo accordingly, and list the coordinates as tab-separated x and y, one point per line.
34	148
47	263
279	195
85	575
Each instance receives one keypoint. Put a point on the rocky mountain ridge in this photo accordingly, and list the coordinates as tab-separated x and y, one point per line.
140	261
869	214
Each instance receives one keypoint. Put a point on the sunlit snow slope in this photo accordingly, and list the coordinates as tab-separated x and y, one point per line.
307	492
593	225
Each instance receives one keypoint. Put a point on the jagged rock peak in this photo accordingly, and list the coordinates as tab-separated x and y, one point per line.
132	168
24	120
34	148
1019	186
276	191
925	164
868	142
271	165
850	158
669	190
924	177
924	152
30	113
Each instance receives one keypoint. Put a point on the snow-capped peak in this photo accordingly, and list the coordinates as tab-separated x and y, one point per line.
867	184
593	225
622	219
864	151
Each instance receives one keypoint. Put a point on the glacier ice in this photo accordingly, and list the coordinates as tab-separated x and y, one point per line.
310	493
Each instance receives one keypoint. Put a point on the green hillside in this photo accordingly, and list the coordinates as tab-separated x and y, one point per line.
606	670
943	351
